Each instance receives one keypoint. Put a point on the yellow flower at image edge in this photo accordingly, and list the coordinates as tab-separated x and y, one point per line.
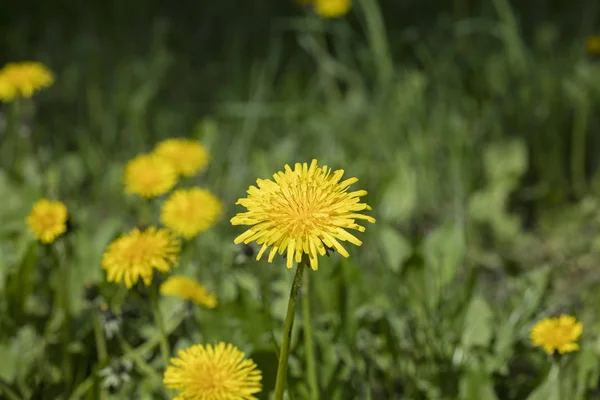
302	211
188	289
557	334
138	253
592	45
149	176
23	79
47	220
188	157
188	212
216	372
332	8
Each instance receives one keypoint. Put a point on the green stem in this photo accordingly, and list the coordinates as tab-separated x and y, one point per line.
309	348
8	391
100	340
139	362
164	343
578	144
65	297
82	389
281	379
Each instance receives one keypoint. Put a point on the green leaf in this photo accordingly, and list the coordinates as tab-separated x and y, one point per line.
444	250
476	384
396	248
505	160
550	388
478	323
400	197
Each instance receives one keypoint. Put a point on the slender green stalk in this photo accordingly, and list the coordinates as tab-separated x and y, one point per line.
99	338
82	389
578	146
65	298
281	379
138	360
8	391
164	342
309	348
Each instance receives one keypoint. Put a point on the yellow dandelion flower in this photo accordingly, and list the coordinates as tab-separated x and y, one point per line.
188	212
188	289
592	45
138	253
47	220
149	176
23	79
332	8
304	211
557	334
217	372
187	156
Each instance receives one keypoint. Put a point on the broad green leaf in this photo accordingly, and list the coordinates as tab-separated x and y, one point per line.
444	250
400	197
550	388
396	248
479	325
476	384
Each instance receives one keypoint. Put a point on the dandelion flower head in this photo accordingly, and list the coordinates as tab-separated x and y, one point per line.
47	220
557	334
218	372
188	157
188	289
592	45
149	176
303	211
332	8
188	212
138	253
23	79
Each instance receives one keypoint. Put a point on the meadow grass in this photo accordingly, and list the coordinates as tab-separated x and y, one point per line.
475	141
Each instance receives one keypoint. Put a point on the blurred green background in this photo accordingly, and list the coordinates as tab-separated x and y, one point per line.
472	124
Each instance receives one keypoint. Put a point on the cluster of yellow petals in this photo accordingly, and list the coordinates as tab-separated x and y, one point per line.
139	253
329	8
188	157
23	79
207	372
188	289
557	334
47	220
302	211
149	176
188	212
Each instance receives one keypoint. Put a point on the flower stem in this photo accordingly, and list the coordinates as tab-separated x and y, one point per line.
281	379
99	338
164	343
309	348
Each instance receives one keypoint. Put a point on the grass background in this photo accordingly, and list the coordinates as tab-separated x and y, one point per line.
472	124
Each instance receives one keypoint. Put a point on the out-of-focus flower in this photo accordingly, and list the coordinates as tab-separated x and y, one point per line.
23	79
188	212
592	46
213	373
188	289
557	334
188	157
332	8
111	322
138	253
304	211
149	176
47	220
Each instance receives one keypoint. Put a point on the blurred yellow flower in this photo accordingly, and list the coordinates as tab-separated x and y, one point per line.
592	45
188	289
138	253
557	334
23	79
188	212
149	176
217	372
47	220
187	156
332	8
304	211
